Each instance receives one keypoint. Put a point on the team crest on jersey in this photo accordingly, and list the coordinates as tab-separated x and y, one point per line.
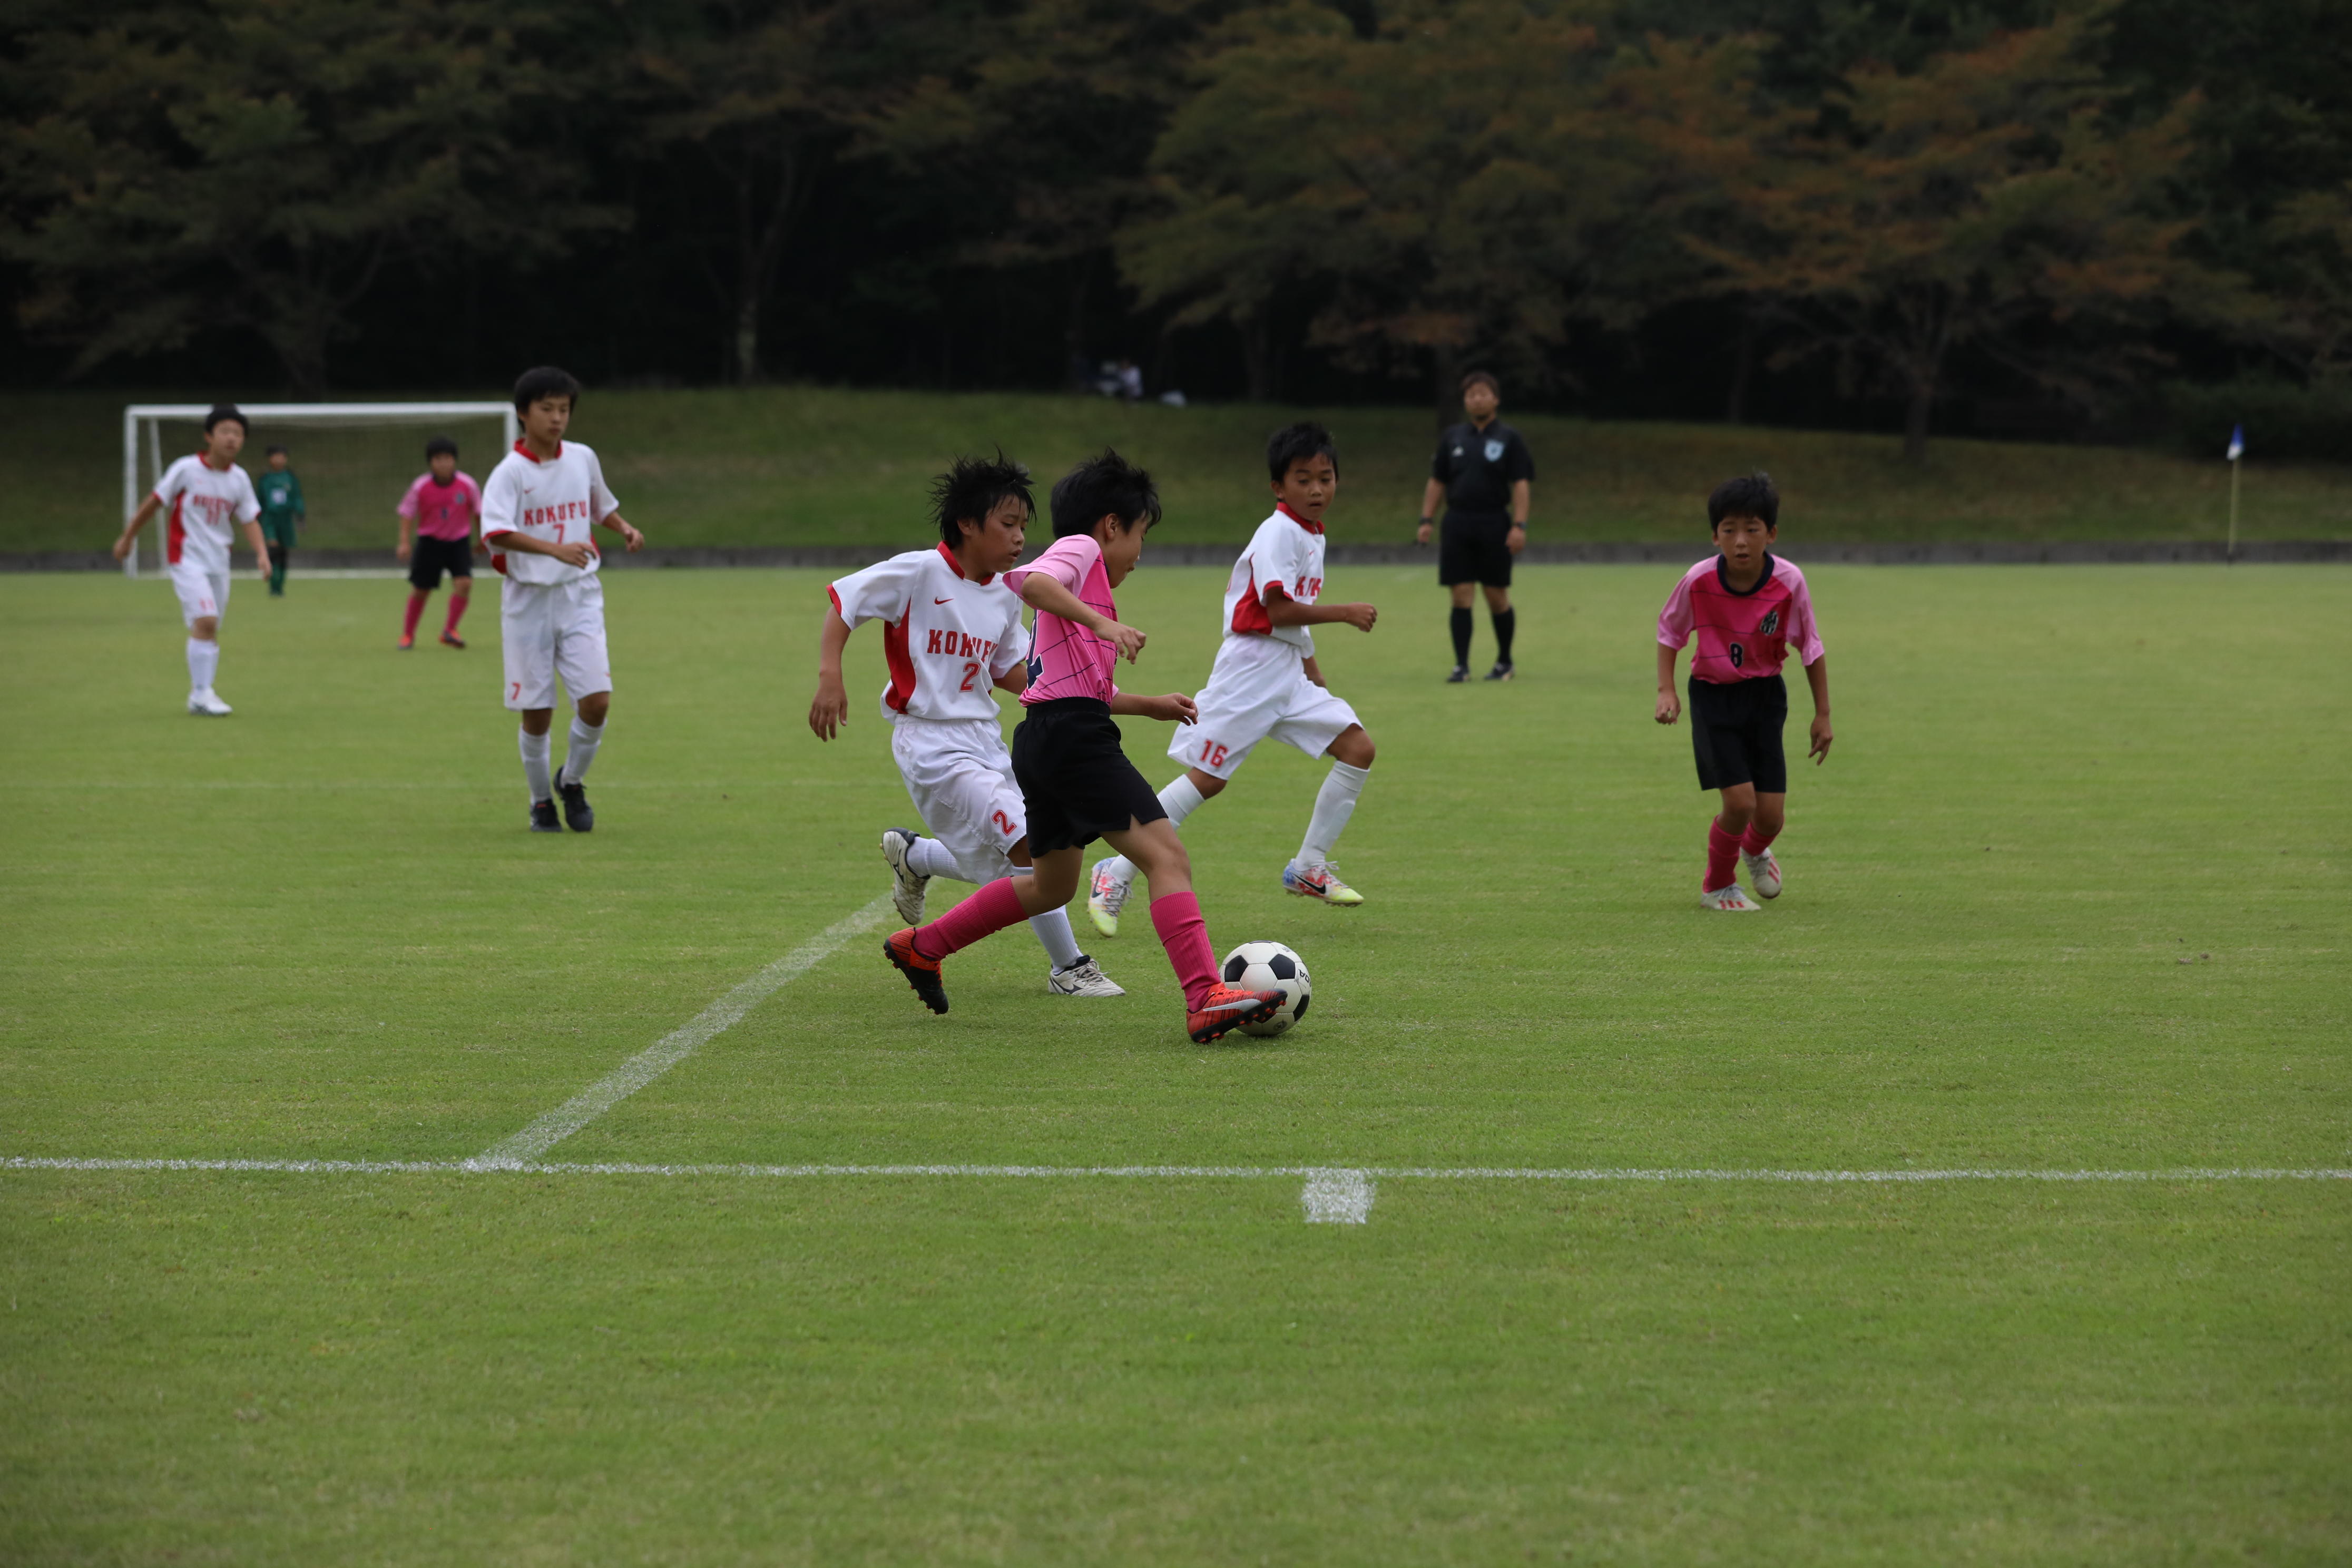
1769	624
1494	451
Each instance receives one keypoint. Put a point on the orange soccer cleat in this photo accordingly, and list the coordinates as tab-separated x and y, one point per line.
921	972
1227	1008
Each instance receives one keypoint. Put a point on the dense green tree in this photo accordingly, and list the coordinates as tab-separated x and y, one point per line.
257	164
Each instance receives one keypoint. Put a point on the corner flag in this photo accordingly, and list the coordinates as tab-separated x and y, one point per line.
2237	442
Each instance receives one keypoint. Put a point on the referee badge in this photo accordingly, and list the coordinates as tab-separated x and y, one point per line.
1494	451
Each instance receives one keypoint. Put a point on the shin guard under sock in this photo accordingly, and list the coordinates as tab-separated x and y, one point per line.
1754	842
1185	934
984	913
1722	854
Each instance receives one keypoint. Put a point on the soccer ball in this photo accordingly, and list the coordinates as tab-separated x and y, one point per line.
1270	966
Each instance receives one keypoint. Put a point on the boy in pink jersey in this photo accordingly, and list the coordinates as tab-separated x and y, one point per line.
1746	607
441	506
1076	782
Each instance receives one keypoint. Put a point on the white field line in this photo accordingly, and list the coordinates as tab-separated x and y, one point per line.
677	1044
1366	1174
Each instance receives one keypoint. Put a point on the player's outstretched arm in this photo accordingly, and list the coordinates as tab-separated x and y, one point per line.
1285	611
1817	676
830	709
630	538
1040	591
1173	708
1670	701
147	508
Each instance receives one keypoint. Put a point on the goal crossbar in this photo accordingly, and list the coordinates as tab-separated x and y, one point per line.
151	415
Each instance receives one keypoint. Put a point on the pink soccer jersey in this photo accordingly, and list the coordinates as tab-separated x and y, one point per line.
1066	660
443	512
1741	637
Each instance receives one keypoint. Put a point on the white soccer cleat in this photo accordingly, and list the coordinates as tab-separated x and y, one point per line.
906	887
1320	882
1731	900
207	704
1763	871
1105	897
1084	978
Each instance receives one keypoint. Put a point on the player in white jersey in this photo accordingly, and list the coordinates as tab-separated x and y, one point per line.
951	637
207	495
538	509
1266	682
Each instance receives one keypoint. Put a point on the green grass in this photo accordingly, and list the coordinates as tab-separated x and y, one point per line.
795	465
319	929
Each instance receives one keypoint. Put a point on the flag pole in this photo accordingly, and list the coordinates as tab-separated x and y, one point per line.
2237	455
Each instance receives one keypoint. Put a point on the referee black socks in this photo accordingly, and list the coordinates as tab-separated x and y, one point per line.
1462	636
1505	623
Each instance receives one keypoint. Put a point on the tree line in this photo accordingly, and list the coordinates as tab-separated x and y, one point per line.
1648	206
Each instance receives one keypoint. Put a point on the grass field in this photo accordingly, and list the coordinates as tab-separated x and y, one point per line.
796	466
2068	897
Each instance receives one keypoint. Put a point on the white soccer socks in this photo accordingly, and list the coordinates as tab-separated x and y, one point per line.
535	749
204	663
1334	804
1053	927
585	738
930	857
1179	800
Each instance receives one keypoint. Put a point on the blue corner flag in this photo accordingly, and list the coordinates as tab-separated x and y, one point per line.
2237	442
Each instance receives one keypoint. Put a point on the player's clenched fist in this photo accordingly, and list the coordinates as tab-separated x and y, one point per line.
1670	705
1359	616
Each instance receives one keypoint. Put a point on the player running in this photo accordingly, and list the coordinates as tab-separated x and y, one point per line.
1076	782
1746	607
952	633
441	506
1266	682
207	493
538	509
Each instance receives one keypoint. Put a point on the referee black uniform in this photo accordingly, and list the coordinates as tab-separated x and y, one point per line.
1477	468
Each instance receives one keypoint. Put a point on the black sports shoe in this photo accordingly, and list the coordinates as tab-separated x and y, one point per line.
1460	673
578	815
543	817
1502	670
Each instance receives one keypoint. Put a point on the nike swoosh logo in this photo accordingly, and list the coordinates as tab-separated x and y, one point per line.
942	601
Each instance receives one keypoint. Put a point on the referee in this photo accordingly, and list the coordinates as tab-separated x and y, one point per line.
1482	471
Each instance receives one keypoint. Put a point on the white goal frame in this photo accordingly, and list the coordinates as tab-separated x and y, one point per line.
148	417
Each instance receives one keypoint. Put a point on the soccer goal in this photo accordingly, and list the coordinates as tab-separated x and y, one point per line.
355	459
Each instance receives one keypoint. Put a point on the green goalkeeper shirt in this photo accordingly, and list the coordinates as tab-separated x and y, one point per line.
281	504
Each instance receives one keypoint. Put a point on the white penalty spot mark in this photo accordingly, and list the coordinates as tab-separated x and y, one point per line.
1337	1197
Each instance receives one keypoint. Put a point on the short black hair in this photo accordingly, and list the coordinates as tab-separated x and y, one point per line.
1297	443
438	444
274	452
972	488
224	412
1749	494
1475	376
544	381
1105	485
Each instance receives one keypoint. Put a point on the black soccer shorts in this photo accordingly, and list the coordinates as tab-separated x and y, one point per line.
430	557
1473	547
1736	732
1076	782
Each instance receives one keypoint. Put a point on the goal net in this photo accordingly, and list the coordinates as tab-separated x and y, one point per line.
355	460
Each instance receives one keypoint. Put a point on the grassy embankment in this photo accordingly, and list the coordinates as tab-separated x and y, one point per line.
799	465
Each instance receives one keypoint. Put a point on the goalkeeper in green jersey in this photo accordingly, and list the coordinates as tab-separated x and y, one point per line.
281	509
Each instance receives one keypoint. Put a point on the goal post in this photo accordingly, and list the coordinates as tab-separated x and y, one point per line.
354	459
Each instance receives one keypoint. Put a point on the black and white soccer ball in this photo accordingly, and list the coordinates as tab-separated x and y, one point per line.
1270	966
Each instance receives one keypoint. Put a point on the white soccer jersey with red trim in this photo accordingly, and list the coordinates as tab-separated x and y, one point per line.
202	506
559	501
1286	553
946	637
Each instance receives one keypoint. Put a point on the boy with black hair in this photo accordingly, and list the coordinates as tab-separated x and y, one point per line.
208	494
538	509
1267	681
1484	474
1076	782
1747	608
441	505
280	494
951	635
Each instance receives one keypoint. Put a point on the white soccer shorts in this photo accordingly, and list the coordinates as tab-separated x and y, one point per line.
201	593
1259	689
549	630
960	778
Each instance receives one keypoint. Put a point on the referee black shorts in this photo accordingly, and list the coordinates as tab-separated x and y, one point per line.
1473	547
1736	732
429	557
1076	782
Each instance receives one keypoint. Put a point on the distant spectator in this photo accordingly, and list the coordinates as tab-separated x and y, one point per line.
1131	380
281	513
